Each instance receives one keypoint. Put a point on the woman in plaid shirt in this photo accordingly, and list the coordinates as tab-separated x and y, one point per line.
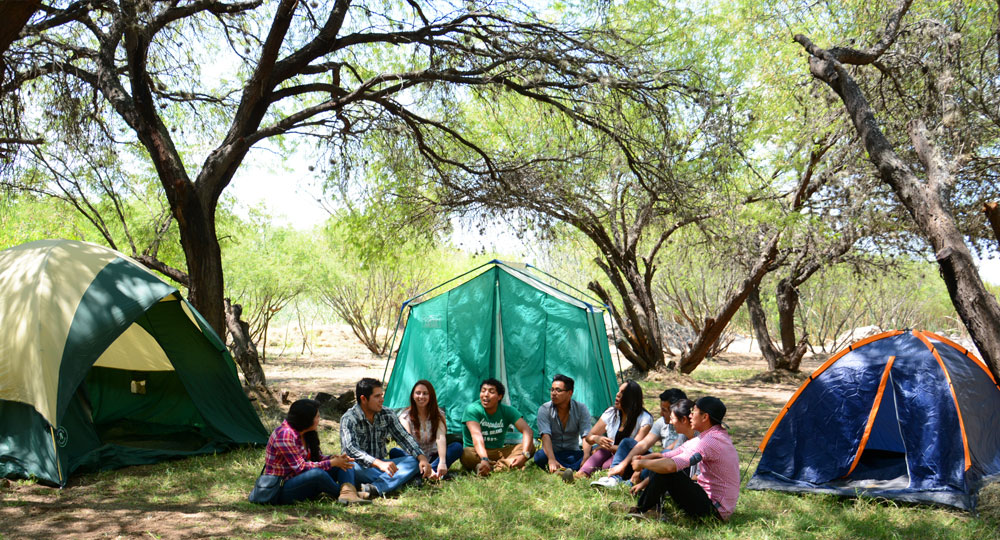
288	456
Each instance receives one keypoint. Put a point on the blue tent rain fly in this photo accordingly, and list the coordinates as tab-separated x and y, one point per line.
902	415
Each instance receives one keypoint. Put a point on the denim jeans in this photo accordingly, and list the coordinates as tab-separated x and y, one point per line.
407	468
624	448
312	483
452	452
571	459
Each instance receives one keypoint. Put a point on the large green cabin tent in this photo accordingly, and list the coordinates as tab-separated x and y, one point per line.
503	322
104	365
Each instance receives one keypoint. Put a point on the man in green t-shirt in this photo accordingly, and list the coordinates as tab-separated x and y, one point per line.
486	424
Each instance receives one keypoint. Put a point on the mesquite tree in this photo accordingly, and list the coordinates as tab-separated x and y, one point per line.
154	73
942	71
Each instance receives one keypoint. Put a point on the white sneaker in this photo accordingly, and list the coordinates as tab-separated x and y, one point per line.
606	482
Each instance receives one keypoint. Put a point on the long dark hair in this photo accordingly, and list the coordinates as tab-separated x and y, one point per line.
433	413
631	406
300	416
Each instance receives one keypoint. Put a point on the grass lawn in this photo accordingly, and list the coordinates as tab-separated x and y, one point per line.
205	497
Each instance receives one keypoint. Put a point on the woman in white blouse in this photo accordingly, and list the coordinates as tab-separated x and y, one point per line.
627	418
426	422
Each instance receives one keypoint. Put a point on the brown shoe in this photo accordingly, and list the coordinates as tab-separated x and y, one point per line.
349	495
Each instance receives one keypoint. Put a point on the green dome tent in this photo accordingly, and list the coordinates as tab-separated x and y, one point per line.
104	365
508	324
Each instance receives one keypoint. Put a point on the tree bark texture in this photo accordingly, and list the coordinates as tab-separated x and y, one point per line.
924	200
243	349
14	14
758	320
714	327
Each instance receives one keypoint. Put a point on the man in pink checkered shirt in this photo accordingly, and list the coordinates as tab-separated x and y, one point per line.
718	485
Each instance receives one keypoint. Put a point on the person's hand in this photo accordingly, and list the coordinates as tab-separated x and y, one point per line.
617	470
605	443
484	468
425	468
636	477
387	467
636	488
554	465
343	461
639	464
442	469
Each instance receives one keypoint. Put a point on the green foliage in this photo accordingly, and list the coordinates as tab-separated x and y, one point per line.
267	267
26	218
839	300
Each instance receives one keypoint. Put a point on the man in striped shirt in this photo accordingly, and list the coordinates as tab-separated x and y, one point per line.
718	485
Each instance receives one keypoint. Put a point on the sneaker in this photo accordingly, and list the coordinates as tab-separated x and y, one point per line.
567	476
606	482
619	507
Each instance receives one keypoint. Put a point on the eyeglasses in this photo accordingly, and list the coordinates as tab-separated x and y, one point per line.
558	390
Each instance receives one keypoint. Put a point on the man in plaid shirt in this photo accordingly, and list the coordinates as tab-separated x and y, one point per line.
364	431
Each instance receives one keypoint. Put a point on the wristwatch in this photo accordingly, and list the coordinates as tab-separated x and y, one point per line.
526	454
487	458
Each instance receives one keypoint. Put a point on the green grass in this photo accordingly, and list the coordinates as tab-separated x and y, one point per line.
206	496
515	505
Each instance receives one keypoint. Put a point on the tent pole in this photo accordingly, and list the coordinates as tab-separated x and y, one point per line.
393	342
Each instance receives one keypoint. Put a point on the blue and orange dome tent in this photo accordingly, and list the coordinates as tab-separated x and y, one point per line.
905	415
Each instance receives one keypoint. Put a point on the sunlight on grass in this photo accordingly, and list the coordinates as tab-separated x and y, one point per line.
207	495
515	505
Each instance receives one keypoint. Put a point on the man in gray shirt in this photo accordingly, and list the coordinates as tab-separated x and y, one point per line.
561	423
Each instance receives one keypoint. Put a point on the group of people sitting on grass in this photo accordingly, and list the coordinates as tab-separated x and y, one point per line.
698	466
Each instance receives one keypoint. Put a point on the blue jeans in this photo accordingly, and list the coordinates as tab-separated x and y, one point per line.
571	459
407	468
452	452
312	483
624	447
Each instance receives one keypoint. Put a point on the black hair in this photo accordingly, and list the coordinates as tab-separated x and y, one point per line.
682	407
302	413
672	395
631	406
365	387
495	384
565	380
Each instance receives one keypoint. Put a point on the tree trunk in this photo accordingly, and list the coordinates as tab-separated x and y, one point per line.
992	211
788	301
243	349
977	308
640	346
714	327
14	14
758	320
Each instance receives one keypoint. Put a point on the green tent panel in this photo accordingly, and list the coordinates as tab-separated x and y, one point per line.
508	324
104	365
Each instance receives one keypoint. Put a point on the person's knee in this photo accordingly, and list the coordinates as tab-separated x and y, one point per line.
469	458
